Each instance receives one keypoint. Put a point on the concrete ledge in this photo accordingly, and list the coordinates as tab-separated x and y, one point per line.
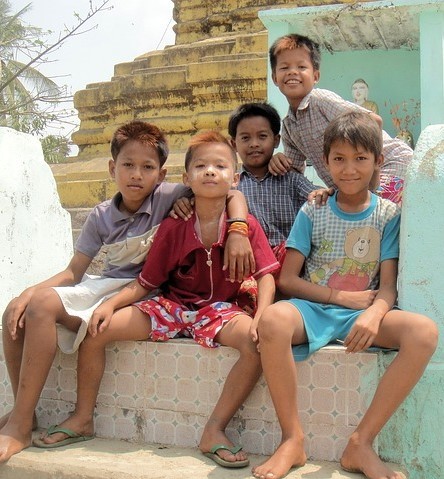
105	459
164	392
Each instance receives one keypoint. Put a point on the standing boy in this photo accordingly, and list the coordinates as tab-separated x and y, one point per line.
295	63
57	310
347	254
196	298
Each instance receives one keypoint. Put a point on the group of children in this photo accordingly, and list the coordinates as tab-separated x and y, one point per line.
336	265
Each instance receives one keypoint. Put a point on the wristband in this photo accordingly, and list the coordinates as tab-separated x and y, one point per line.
236	220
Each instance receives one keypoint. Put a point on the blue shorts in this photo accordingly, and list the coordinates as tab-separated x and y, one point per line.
324	323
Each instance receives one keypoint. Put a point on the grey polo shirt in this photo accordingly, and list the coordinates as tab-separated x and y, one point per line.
127	237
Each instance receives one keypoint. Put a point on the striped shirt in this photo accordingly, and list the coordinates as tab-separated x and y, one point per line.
303	135
275	200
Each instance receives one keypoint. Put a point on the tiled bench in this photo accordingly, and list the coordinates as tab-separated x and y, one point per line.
164	392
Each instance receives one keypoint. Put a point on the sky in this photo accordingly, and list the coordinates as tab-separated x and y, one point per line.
129	29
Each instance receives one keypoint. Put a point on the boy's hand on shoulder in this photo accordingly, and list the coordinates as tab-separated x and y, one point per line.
100	318
279	164
238	257
183	208
320	196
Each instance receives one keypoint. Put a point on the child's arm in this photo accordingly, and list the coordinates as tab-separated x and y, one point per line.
363	333
266	288
320	196
15	311
292	158
183	208
238	255
101	317
279	164
292	285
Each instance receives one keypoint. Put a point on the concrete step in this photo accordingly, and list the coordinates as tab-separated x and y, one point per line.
163	393
176	55
113	459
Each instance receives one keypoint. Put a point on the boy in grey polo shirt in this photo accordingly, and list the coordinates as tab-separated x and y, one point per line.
57	310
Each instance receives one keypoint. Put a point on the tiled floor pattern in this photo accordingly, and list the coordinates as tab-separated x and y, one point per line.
163	393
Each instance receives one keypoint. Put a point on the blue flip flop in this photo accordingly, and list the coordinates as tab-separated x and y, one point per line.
72	438
212	454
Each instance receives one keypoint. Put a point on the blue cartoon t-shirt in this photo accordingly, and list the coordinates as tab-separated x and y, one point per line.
344	250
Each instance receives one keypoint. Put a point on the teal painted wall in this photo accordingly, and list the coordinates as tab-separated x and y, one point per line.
414	434
393	77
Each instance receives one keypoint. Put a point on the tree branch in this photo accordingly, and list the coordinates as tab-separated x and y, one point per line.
70	32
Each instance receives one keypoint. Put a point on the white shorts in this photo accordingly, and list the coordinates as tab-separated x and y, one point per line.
81	300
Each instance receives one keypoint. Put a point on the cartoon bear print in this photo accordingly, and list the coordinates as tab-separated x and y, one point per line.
355	271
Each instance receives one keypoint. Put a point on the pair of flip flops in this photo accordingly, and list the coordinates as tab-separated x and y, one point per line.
72	438
212	454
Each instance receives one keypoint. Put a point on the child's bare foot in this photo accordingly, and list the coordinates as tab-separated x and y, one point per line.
289	454
4	419
75	424
211	438
360	457
13	439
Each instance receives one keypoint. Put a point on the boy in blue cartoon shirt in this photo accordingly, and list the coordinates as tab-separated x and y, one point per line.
347	253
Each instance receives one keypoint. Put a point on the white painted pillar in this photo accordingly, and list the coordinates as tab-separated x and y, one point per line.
35	231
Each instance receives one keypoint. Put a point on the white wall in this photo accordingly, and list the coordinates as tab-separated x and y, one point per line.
35	231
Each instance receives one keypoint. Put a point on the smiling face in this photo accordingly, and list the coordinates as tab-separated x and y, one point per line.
351	168
211	171
255	142
294	74
136	171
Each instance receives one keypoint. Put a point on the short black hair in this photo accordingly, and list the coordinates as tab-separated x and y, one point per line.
248	110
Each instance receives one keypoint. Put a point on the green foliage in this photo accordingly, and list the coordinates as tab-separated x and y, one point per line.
27	97
55	148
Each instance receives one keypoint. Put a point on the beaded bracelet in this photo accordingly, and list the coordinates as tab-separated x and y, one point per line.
238	227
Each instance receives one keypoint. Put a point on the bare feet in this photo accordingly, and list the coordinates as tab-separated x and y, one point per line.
211	438
13	439
360	457
75	424
289	454
4	419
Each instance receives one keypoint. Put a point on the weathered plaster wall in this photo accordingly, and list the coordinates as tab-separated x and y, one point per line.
33	225
199	20
414	435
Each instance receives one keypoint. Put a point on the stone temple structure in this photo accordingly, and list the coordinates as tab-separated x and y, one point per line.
219	61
